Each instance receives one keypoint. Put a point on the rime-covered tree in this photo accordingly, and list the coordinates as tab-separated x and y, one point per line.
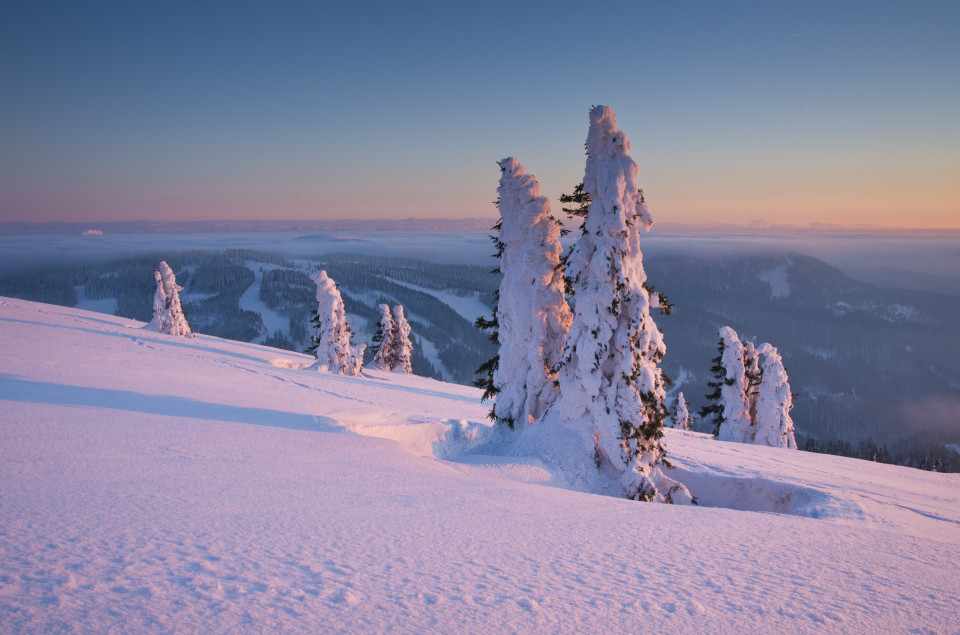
752	373
750	396
532	314
736	406
332	339
681	415
168	315
611	386
774	425
383	340
401	348
159	303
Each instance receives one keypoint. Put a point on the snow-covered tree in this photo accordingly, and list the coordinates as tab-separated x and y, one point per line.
736	405
331	341
401	348
383	340
774	425
168	315
159	303
752	373
611	386
681	415
751	396
532	314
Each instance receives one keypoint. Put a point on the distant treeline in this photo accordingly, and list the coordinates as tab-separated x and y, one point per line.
924	452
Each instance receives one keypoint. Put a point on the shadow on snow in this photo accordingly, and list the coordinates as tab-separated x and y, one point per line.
13	388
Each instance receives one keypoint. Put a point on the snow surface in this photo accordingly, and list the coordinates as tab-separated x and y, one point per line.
778	281
149	482
106	305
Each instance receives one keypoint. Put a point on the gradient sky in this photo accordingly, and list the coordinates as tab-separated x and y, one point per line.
773	112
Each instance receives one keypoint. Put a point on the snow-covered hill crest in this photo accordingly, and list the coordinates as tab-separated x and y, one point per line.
149	482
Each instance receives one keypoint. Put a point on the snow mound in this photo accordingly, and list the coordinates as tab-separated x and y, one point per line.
289	363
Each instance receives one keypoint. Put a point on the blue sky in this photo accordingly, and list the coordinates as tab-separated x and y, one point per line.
807	112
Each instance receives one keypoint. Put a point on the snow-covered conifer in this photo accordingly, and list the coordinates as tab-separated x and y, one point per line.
774	425
401	348
331	342
532	314
611	386
752	373
168	315
383	340
736	406
681	416
159	303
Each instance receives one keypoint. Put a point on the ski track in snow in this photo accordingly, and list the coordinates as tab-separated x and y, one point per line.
469	308
149	482
250	301
106	305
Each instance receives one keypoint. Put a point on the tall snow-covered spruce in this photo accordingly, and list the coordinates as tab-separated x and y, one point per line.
737	424
168	315
401	348
532	314
611	387
331	341
383	340
774	425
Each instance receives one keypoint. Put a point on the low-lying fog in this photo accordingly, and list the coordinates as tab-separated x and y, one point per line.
930	263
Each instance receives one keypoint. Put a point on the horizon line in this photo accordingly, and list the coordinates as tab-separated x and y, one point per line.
421	224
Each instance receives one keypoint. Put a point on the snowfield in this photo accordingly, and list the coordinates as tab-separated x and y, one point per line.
156	483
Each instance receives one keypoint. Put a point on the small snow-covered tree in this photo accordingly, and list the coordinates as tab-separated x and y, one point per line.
532	314
159	303
168	315
401	348
736	406
774	425
332	339
611	386
383	340
681	415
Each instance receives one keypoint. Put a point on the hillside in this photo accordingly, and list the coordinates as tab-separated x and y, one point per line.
156	483
869	365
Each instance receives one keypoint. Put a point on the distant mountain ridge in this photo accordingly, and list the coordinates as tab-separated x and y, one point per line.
252	226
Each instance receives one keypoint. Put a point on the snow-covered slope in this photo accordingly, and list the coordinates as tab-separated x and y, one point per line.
149	482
